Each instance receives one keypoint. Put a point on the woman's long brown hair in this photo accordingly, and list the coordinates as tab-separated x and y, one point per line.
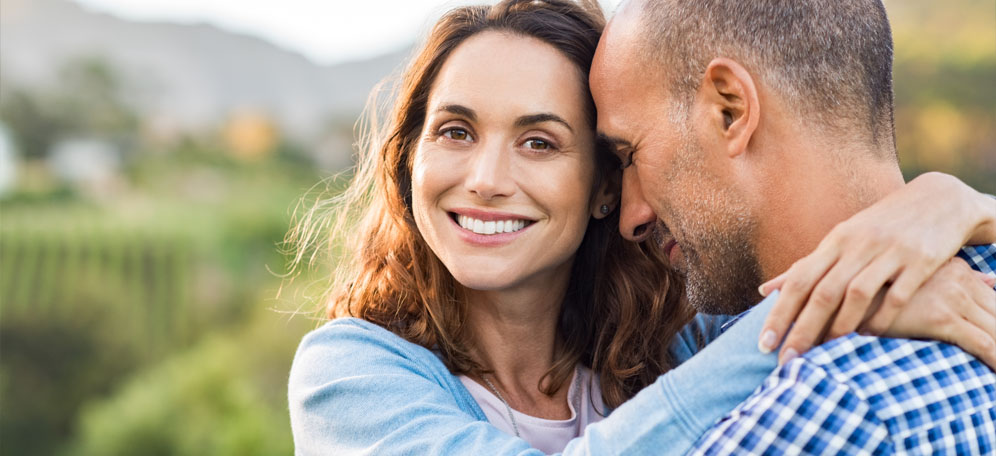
622	306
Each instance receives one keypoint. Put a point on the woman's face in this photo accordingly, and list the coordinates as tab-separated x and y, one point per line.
503	173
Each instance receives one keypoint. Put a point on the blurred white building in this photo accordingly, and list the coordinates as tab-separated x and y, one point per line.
8	161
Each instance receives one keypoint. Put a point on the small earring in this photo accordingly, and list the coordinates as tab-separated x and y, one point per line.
604	209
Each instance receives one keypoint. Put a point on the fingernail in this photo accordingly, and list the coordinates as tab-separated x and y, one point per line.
767	342
790	354
762	290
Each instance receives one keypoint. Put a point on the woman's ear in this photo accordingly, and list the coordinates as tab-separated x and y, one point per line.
606	197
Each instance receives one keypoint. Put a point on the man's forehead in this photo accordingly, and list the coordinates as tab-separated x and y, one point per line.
628	21
616	87
618	61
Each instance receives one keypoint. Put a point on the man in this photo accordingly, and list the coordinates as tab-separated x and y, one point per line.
749	129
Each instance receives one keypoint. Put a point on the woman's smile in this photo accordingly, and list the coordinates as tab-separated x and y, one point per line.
489	228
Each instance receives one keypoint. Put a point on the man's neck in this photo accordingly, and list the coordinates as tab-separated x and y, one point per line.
812	186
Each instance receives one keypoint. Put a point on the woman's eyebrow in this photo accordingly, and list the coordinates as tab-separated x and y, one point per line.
459	110
522	121
532	119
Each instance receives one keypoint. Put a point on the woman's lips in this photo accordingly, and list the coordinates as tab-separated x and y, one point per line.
488	229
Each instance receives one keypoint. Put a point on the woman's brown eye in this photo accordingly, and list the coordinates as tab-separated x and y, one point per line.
456	134
537	144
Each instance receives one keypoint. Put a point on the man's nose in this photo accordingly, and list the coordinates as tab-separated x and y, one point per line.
636	217
489	173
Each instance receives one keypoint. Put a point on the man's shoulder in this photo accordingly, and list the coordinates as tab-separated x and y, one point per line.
865	394
864	360
907	383
861	394
877	367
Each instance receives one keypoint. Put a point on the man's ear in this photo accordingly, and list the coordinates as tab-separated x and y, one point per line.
606	198
733	109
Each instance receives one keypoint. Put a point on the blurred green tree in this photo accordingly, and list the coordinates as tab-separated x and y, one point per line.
49	368
224	397
88	101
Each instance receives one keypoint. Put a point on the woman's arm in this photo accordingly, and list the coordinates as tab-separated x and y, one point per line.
355	388
696	393
895	244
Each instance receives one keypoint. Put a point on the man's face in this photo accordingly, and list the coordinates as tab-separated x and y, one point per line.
675	181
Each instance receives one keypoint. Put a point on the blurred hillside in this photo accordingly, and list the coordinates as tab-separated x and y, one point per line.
147	175
191	78
182	78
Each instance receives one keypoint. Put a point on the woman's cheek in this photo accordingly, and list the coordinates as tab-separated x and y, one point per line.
422	181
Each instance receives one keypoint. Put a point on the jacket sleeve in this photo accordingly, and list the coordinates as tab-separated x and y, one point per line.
352	391
670	415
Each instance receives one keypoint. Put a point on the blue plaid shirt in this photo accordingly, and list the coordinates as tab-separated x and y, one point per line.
869	395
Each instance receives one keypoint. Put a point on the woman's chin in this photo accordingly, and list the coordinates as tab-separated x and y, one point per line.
486	280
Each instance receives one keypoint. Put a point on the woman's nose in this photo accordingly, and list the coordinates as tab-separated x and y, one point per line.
489	174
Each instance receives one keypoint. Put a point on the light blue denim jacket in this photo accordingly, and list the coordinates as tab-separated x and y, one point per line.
356	388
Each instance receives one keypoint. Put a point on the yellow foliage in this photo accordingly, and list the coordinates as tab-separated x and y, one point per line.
942	132
955	30
250	135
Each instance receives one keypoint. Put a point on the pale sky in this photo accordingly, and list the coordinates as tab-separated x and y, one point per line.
326	31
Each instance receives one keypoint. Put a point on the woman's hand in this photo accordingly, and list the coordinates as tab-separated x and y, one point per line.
897	243
957	305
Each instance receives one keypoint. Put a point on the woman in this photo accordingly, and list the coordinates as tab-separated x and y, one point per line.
492	297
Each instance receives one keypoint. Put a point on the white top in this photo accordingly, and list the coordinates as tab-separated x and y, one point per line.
548	436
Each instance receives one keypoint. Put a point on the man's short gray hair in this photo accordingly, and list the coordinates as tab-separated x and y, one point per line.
831	58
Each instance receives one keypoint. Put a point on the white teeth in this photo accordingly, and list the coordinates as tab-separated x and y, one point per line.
490	227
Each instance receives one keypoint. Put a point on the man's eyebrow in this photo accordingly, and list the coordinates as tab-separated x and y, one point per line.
459	110
613	141
541	117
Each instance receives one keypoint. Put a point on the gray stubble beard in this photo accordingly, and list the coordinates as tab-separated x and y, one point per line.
727	283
